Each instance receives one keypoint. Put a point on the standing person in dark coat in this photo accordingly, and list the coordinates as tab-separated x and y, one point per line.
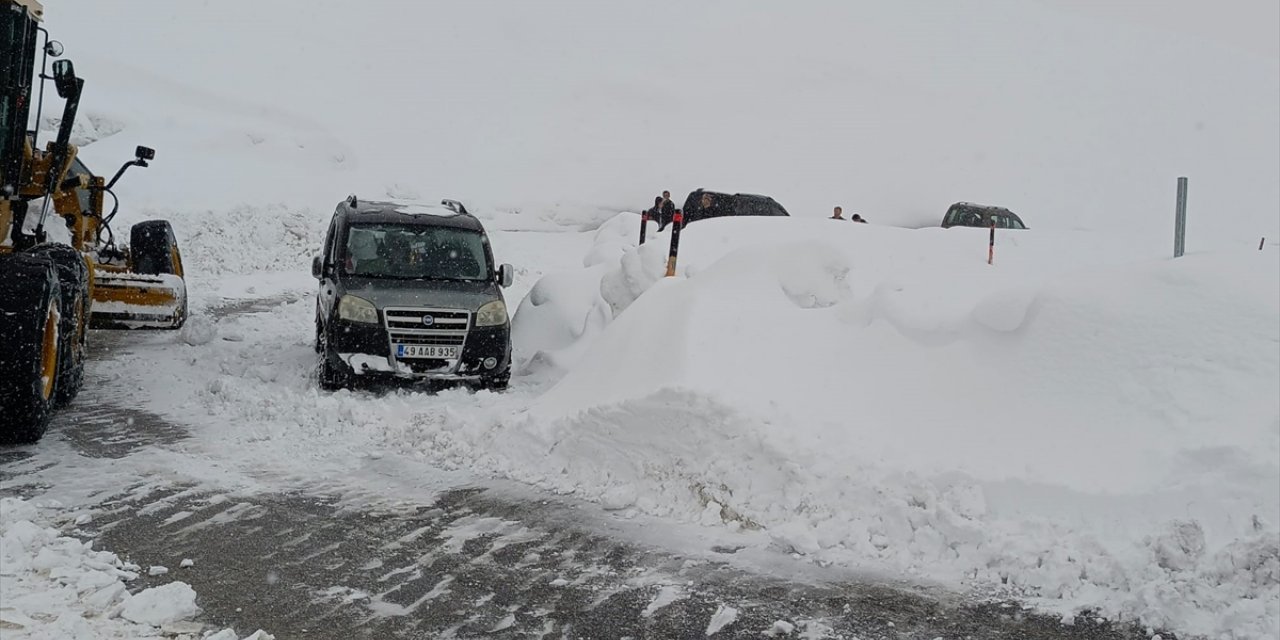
655	214
666	210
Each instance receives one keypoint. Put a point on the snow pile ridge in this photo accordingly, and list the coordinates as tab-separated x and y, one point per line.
248	239
1089	429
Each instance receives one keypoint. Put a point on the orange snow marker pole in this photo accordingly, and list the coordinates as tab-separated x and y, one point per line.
991	245
677	221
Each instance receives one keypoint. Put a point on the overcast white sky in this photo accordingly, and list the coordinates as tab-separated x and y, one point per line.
1248	25
1076	113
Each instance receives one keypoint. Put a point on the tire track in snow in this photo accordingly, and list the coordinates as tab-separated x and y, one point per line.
471	565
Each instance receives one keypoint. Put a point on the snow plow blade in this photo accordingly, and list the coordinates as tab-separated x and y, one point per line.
123	300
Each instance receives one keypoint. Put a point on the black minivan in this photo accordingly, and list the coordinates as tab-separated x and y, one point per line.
410	291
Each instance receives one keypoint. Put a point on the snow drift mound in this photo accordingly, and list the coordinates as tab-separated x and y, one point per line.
566	308
1085	424
249	239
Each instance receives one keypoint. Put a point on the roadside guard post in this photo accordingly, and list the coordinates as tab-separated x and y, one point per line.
644	224
677	221
1180	221
991	245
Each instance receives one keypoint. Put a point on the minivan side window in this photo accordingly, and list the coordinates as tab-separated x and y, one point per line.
953	217
754	207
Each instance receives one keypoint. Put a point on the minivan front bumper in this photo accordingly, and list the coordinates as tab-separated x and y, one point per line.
365	350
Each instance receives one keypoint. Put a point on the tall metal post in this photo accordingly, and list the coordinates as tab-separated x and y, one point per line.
1180	222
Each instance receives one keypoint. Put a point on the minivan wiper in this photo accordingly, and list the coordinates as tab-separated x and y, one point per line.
392	276
451	279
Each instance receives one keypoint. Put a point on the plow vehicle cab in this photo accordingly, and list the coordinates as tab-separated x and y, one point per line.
60	268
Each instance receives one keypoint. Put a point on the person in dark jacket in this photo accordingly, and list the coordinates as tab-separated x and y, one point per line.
655	214
858	218
709	207
837	214
666	210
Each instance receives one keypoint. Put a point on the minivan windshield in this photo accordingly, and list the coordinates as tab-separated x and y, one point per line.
415	252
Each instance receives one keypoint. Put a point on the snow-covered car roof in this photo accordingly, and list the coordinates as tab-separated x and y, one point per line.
449	213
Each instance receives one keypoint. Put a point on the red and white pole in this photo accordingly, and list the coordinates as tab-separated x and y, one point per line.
677	222
991	245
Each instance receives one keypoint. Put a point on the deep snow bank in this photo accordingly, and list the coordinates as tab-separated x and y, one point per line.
1089	424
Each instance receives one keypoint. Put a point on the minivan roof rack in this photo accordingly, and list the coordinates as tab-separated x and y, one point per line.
455	206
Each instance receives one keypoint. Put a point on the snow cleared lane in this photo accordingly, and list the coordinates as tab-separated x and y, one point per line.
305	557
470	565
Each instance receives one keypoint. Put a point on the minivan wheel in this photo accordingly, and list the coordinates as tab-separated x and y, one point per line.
319	330
330	375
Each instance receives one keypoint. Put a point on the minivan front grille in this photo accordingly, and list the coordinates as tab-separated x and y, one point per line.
417	319
446	340
436	327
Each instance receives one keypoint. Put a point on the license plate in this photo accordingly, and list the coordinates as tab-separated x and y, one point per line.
425	351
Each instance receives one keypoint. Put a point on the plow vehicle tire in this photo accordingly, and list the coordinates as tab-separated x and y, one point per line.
30	307
73	330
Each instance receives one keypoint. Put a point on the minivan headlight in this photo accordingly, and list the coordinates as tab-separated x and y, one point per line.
357	310
492	314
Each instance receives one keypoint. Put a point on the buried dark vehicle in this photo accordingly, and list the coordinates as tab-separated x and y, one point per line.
968	214
702	204
410	291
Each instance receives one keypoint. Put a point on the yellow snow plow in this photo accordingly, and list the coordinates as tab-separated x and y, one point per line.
139	286
61	271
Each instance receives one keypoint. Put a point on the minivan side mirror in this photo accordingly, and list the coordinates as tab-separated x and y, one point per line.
506	275
317	267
